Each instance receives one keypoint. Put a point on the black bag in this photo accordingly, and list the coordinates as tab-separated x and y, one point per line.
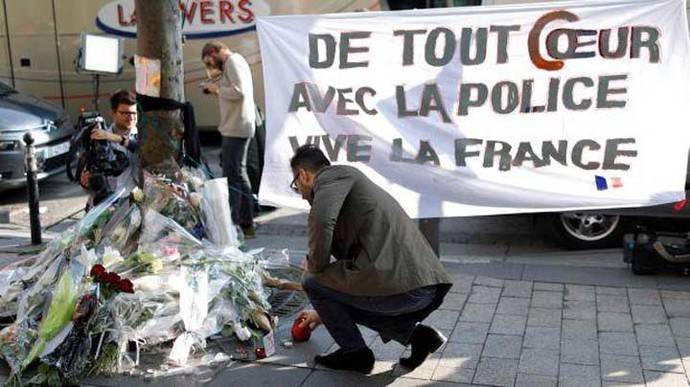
649	251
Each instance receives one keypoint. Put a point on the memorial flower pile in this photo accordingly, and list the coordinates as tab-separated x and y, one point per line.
145	267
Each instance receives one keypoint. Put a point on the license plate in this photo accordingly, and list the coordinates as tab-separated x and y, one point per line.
55	150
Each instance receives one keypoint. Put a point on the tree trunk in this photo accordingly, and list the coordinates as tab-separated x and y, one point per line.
159	36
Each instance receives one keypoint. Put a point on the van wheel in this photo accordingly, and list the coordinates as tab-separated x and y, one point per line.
578	231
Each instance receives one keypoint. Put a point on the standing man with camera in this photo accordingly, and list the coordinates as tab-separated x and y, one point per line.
121	136
235	91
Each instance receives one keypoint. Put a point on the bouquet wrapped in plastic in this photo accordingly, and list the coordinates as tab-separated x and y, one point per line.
136	270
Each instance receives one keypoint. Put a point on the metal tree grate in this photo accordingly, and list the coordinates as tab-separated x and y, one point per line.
285	303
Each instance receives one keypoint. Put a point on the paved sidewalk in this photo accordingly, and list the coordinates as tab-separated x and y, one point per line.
503	333
518	315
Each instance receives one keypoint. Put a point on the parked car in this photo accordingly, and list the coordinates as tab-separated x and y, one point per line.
50	126
605	228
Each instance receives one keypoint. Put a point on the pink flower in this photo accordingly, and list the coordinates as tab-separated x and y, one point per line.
169	250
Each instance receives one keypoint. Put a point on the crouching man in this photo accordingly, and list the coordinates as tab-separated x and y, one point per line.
385	275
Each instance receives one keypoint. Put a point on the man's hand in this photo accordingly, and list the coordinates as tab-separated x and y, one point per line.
84	179
304	265
311	319
211	88
100	134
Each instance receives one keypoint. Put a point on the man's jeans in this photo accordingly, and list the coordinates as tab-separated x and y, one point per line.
390	316
234	162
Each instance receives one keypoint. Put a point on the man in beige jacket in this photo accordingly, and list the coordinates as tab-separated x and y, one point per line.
385	275
235	93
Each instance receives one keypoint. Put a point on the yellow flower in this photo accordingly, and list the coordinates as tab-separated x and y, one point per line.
156	265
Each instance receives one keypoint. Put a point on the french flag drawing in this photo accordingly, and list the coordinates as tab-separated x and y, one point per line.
603	184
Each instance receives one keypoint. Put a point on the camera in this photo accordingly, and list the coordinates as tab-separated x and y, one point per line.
99	157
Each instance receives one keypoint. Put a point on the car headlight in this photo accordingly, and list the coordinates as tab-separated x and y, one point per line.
6	146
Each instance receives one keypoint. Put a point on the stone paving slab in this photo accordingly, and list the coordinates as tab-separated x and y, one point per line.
542	317
614	322
659	379
478	312
496	372
551	287
579	310
579	293
619	368
618	343
578	351
513	306
654	334
527	380
519	289
539	362
577	375
508	325
546	299
664	359
542	338
502	346
648	314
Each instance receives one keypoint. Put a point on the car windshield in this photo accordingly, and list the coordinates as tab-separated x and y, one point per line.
6	90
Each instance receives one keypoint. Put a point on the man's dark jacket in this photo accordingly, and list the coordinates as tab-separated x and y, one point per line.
378	249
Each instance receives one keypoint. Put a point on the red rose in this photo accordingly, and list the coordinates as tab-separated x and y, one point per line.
97	271
112	278
126	286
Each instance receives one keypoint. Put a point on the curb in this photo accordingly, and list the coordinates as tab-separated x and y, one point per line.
461	237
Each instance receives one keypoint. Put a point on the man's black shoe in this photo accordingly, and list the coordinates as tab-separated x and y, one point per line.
361	360
425	340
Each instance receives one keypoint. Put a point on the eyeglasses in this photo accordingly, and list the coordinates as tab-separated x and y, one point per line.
293	185
129	114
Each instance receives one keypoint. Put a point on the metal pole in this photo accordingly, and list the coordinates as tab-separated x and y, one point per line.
430	229
32	188
9	43
96	87
59	60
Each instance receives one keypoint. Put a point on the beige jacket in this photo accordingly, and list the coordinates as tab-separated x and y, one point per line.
378	249
236	99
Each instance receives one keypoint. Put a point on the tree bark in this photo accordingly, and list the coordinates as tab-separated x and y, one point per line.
159	36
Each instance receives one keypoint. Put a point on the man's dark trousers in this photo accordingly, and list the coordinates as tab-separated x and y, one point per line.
234	162
393	317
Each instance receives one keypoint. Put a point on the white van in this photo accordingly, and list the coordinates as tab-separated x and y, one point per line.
39	42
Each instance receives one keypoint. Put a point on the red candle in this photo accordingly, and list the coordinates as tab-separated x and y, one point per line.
299	333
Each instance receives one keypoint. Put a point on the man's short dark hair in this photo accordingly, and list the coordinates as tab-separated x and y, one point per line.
212	47
122	97
310	158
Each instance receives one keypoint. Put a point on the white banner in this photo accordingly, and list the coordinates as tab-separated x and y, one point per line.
486	110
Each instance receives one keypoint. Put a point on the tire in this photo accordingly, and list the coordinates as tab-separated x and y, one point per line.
579	231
